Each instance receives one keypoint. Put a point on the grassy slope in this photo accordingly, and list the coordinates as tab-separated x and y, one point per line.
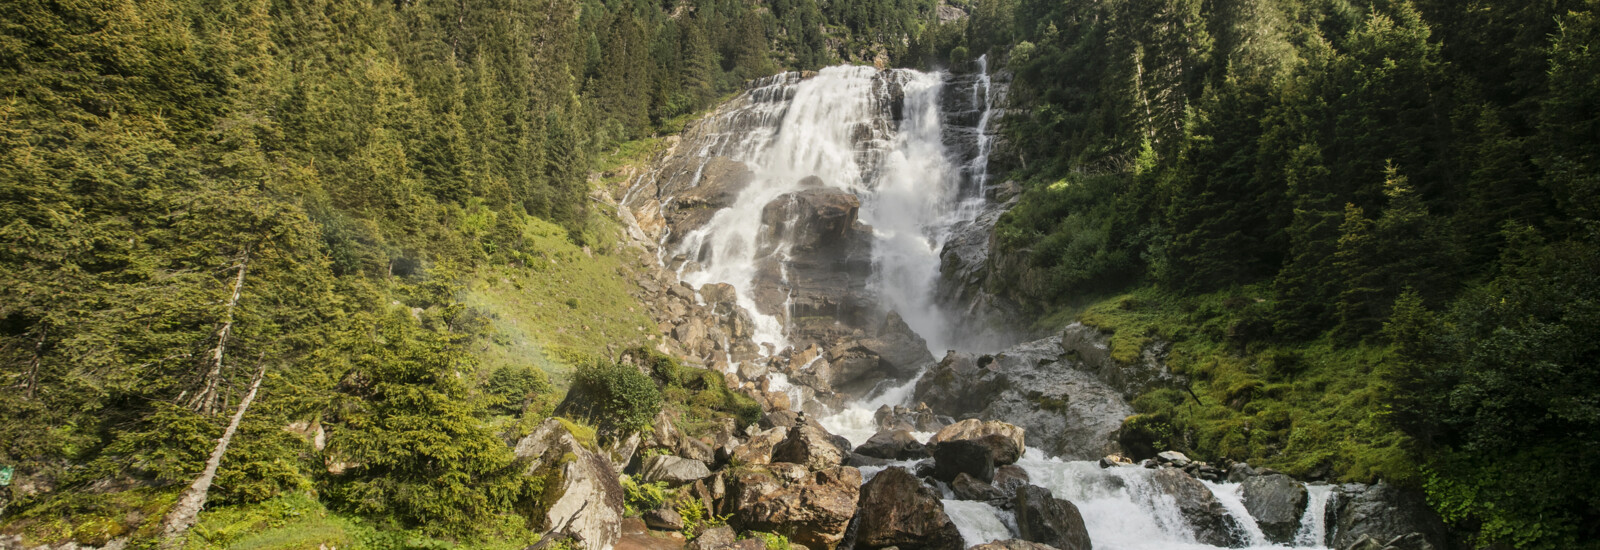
552	308
1311	409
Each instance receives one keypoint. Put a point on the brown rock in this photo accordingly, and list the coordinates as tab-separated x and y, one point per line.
1004	440
810	445
758	449
1043	518
811	508
897	509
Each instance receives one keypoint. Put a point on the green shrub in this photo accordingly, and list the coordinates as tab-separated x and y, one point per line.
512	388
773	541
616	398
643	497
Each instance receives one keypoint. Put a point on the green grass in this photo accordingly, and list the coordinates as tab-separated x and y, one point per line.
289	522
562	303
1307	408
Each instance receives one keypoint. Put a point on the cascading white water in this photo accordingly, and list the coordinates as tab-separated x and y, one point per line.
881	136
839	126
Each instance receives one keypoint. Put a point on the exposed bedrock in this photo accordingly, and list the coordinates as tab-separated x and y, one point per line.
1065	390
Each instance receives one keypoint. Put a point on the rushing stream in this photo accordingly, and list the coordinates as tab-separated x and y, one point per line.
888	138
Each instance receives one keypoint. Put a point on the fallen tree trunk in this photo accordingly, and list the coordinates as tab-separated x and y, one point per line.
183	513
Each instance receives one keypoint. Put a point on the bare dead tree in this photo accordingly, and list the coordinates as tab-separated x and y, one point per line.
183	513
33	364
205	400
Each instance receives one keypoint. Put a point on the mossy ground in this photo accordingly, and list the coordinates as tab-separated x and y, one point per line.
564	303
1308	408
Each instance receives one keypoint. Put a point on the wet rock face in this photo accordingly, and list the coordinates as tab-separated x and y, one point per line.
1039	386
1210	520
1045	519
1383	513
898	510
1276	502
967	487
721	181
811	508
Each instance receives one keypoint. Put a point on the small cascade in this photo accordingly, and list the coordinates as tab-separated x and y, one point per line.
1122	507
1313	529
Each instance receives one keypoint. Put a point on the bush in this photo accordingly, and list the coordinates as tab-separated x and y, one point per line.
616	398
643	497
512	388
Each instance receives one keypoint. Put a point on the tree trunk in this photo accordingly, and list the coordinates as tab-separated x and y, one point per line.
183	513
205	400
33	365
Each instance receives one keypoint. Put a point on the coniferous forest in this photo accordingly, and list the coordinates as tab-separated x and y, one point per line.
1365	231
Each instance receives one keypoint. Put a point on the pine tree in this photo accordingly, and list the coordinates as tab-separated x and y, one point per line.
1361	276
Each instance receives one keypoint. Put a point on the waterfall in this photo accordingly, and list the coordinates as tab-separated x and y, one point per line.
911	150
876	134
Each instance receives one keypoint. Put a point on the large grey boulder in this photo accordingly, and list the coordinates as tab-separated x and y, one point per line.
589	507
1206	516
898	510
1067	411
1383	513
893	445
1277	502
917	419
757	449
673	470
1043	518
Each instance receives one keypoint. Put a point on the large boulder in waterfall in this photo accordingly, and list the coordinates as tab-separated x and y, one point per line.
588	505
966	487
1004	441
813	219
810	445
811	508
895	352
1277	502
1383	512
1067	411
917	419
1210	520
1010	478
1043	518
893	445
824	274
673	470
897	509
963	456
